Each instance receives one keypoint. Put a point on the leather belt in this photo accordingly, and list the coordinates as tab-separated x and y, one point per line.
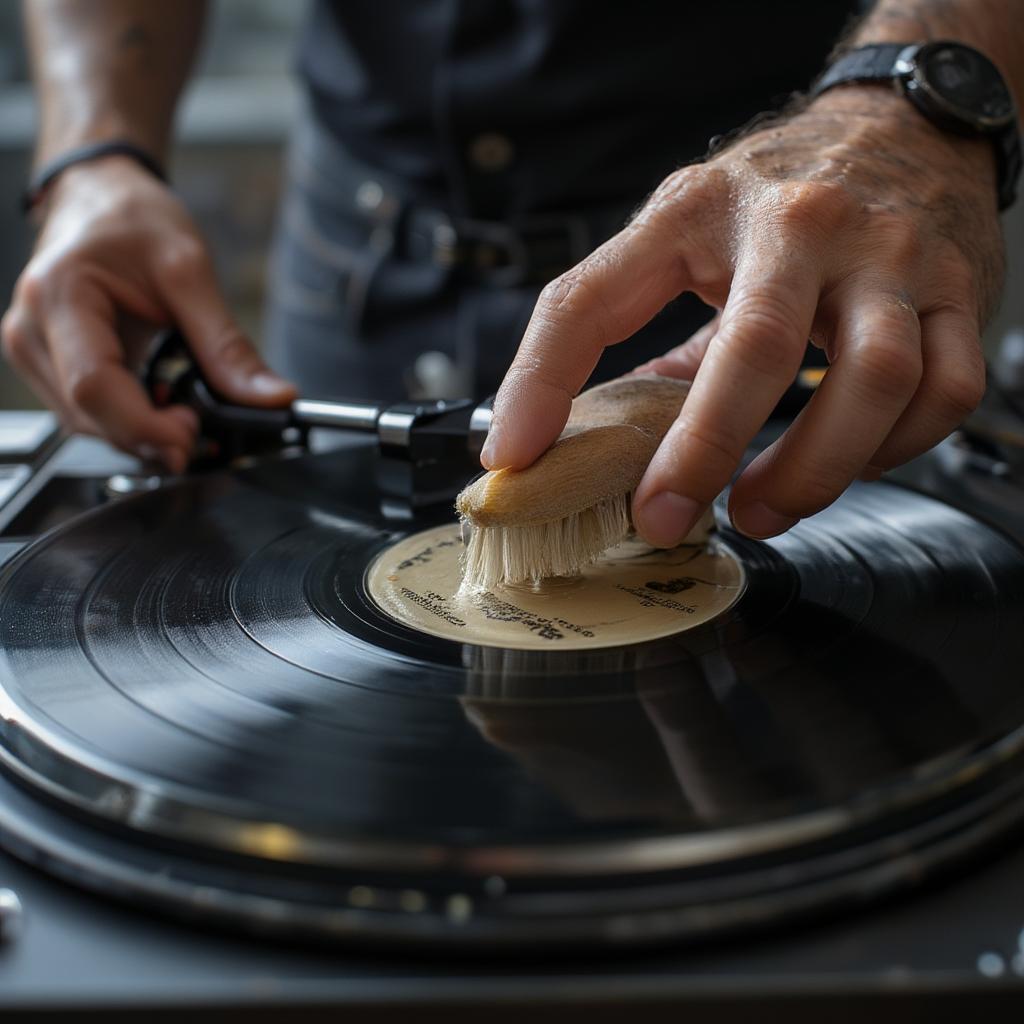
526	250
531	251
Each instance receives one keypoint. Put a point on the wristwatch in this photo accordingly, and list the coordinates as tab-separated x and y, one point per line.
953	85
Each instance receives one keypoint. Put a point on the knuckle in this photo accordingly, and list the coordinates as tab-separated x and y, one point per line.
675	184
31	286
815	490
717	450
575	296
183	260
894	237
889	369
557	293
813	207
85	388
14	341
956	281
960	390
763	332
688	185
687	215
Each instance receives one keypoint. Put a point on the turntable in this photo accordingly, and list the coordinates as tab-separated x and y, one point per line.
210	713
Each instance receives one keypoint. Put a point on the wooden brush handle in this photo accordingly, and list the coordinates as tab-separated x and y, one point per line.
612	432
648	402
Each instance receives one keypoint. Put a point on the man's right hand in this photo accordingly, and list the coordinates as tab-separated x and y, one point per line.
117	258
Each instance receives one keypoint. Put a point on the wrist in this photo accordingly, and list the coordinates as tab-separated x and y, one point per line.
63	127
990	26
84	162
876	112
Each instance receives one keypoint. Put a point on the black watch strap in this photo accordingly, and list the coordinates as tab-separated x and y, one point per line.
867	64
1011	163
878	63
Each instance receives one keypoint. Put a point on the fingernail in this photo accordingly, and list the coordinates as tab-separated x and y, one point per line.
492	445
665	519
266	383
759	521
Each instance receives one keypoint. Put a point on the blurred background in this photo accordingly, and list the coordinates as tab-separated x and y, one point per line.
232	129
231	133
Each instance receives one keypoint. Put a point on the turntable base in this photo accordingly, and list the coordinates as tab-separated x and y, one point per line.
85	958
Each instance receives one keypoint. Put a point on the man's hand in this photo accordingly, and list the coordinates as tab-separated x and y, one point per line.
857	224
117	257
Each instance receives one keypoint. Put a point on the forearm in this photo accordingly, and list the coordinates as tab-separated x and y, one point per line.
995	27
109	69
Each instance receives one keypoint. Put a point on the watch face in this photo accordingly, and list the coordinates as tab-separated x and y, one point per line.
966	82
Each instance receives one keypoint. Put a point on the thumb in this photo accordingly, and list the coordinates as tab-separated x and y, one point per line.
227	357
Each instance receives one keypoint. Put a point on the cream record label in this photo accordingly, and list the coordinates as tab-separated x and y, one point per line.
634	593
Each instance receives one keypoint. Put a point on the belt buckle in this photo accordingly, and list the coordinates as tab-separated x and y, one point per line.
500	254
444	241
572	229
494	251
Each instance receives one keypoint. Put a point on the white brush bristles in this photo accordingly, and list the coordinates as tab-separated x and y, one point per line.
561	547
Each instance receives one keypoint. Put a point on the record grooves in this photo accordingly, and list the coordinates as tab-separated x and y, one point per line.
201	706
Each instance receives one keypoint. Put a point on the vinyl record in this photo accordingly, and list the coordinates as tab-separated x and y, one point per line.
202	706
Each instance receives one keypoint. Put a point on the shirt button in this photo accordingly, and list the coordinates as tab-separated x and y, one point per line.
374	202
491	151
369	196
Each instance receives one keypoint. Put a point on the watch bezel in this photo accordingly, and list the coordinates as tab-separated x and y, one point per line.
909	69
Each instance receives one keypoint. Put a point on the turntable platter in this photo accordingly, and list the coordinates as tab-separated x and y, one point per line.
196	681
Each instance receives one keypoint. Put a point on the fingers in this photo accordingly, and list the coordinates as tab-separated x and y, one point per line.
872	380
800	258
683	361
115	248
90	372
25	350
600	302
952	385
228	359
748	365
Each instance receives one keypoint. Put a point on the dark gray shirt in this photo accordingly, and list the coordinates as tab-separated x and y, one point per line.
499	108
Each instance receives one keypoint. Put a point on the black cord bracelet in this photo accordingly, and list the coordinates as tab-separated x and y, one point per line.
47	174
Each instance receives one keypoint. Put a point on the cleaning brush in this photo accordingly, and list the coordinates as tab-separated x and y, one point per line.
561	514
